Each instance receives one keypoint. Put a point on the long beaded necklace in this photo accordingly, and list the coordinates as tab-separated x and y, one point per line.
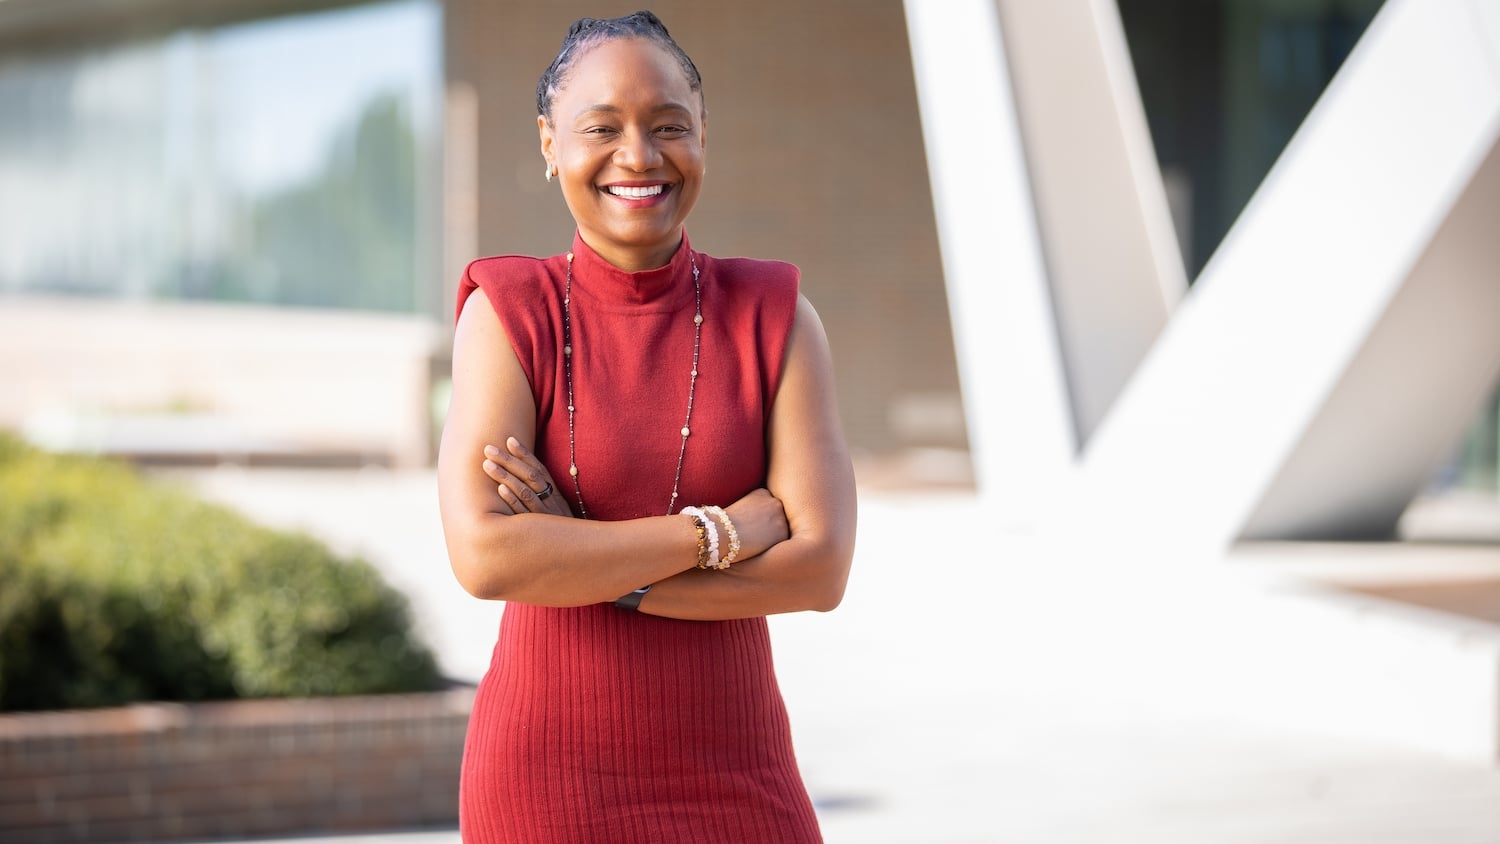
583	509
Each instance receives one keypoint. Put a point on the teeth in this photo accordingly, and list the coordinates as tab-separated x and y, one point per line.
634	193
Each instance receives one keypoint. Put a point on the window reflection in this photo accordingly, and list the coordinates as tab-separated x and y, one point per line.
282	161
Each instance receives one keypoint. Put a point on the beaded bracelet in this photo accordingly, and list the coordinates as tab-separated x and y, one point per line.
701	525
734	535
708	548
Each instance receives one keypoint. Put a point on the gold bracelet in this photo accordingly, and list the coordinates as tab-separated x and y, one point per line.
734	536
702	527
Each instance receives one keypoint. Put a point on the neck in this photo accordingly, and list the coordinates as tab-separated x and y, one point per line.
637	260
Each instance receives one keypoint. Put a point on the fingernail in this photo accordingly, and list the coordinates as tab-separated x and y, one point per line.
491	451
512	442
489	464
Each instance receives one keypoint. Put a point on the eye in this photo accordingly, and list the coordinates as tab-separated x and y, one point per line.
673	131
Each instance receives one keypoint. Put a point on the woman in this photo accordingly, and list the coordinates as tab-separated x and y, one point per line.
597	394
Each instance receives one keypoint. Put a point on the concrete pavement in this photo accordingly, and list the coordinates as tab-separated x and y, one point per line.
986	687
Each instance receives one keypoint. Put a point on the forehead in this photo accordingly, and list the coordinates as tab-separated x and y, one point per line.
625	72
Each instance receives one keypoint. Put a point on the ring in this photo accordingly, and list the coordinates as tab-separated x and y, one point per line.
542	496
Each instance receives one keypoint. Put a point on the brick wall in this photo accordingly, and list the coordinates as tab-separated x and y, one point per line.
244	768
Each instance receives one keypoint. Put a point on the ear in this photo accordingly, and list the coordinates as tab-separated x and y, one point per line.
545	131
703	136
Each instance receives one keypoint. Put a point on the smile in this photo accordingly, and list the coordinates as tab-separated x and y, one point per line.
635	193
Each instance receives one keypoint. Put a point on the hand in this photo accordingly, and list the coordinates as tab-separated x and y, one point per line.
524	484
760	520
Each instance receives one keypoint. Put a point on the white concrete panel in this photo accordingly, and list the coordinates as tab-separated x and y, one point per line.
1113	261
1487	18
1297	287
1015	399
1411	392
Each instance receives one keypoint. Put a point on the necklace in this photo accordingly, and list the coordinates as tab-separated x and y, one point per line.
583	509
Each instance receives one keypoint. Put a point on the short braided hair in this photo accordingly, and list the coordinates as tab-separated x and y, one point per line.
590	32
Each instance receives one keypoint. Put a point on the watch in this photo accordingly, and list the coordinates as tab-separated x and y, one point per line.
632	600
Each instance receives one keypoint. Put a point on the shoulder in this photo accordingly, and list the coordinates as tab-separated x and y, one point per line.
764	299
506	269
762	285
757	271
503	277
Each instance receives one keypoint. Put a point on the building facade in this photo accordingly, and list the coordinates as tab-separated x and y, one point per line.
318	174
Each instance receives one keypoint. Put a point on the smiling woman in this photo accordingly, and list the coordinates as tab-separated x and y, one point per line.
627	140
631	695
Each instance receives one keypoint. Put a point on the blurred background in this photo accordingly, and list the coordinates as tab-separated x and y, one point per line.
168	163
231	233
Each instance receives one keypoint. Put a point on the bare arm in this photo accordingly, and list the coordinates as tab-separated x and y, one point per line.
810	472
505	543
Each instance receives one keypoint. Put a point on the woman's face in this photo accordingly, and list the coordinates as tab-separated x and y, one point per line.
627	137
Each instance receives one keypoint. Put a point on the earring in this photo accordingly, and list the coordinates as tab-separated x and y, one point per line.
550	171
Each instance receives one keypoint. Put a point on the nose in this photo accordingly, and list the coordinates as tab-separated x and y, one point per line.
638	152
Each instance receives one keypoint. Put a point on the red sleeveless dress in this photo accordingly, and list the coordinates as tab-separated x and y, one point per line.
598	725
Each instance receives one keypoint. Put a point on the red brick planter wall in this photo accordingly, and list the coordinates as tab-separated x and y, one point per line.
243	768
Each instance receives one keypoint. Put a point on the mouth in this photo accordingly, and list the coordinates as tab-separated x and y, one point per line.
636	191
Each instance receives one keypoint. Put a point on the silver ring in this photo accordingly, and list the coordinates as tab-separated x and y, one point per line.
543	495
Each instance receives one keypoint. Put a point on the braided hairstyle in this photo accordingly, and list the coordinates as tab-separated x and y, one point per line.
589	32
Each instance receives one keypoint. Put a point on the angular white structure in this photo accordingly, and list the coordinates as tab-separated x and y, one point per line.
1402	403
1114	267
1325	363
1348	327
1015	393
1059	253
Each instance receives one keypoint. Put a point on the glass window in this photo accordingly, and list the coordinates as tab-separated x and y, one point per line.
1225	84
283	161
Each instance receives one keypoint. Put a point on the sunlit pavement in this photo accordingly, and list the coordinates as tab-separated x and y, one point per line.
983	687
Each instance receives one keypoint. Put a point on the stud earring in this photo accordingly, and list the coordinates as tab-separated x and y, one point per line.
550	171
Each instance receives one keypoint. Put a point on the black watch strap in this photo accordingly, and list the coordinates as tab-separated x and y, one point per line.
632	601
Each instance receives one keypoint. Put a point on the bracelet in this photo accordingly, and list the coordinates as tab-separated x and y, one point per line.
734	535
631	602
708	538
700	524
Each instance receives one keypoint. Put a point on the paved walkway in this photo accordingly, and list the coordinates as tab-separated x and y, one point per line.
981	688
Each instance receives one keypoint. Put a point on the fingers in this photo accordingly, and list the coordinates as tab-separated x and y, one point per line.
520	463
521	481
514	446
518	502
514	492
504	508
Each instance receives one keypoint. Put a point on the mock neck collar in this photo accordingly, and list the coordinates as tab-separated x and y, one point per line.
604	280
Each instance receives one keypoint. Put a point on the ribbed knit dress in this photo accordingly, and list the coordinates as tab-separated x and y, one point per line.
595	724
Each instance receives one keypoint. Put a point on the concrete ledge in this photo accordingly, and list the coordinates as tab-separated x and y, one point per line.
159	772
190	382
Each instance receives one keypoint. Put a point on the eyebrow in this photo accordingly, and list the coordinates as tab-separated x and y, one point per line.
606	108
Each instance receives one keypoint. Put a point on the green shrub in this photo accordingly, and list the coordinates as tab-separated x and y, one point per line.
114	589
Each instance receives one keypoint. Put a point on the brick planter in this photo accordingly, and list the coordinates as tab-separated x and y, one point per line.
242	768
